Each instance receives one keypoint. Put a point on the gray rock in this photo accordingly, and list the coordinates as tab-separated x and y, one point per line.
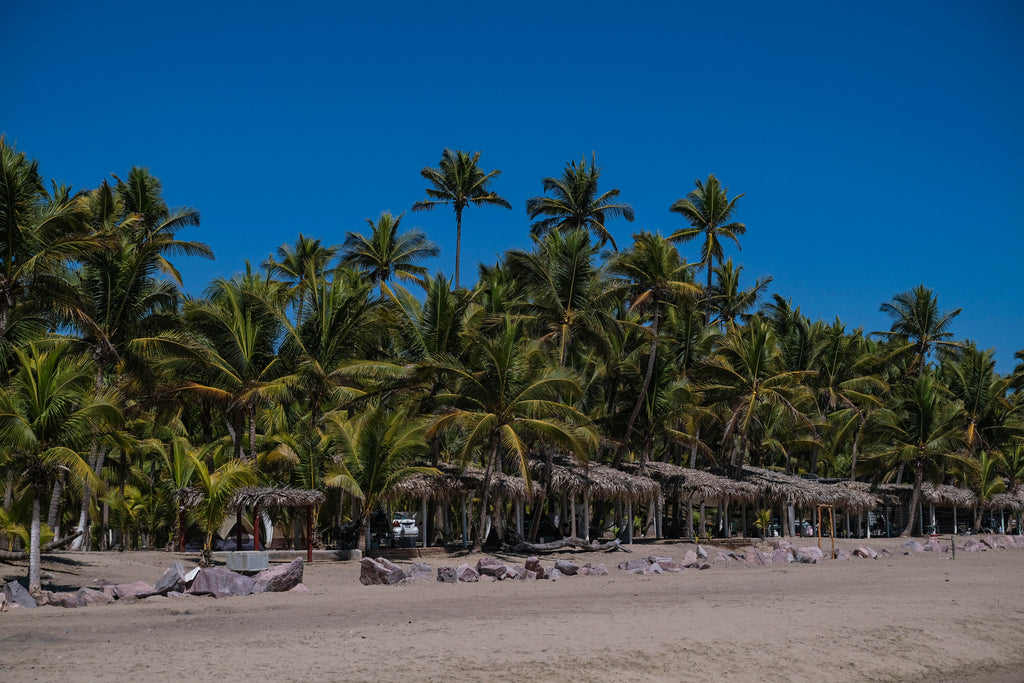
783	555
703	565
864	551
419	571
18	595
566	567
279	579
689	559
972	545
172	580
222	581
809	555
554	574
756	557
633	565
446	575
701	553
490	566
911	545
598	570
842	554
378	571
467	574
660	560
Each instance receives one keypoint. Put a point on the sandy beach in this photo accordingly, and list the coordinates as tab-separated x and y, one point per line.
921	616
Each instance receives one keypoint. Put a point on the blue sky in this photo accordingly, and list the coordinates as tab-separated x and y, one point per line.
878	144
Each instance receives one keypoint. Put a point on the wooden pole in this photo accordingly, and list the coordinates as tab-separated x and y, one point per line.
465	529
238	529
309	533
586	515
572	515
629	522
423	531
255	527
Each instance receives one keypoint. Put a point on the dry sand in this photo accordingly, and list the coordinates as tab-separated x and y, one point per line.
900	617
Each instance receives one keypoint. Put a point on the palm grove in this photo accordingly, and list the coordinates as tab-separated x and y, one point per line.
130	411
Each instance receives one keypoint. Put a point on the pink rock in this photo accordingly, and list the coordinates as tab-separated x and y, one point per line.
376	571
631	565
467	574
134	589
298	588
756	557
489	566
599	570
670	566
782	555
446	575
566	567
690	558
221	580
912	546
533	564
279	579
809	555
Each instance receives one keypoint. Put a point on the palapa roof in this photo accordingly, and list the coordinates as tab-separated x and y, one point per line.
780	487
894	495
188	496
274	497
453	482
1008	501
694	484
600	481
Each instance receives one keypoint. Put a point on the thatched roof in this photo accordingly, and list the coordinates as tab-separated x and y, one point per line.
1008	501
274	497
895	495
694	484
600	481
188	496
454	482
780	487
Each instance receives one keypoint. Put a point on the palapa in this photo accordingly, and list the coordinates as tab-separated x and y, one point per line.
274	497
694	484
453	482
600	481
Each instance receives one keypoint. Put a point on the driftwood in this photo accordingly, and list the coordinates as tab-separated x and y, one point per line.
8	556
573	542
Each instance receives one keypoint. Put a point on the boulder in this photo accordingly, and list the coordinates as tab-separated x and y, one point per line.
809	555
467	574
172	580
757	558
660	560
842	554
653	568
222	581
971	545
690	558
446	575
566	567
911	545
419	571
278	579
66	600
934	546
533	564
703	565
988	542
864	551
599	570
729	556
512	572
489	566
783	555
90	596
18	595
298	588
669	566
378	571
554	574
701	553
134	589
531	575
633	565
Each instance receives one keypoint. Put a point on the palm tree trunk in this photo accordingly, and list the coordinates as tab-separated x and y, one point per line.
707	296
478	540
51	516
914	499
458	242
651	357
34	557
8	502
853	456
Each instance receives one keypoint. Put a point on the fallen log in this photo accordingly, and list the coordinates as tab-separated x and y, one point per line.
572	542
8	556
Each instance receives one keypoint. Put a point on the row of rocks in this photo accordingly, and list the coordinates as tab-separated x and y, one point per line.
380	571
217	582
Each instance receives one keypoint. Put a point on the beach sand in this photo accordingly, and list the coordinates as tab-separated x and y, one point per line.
921	616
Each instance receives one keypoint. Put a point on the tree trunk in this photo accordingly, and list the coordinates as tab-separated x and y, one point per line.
915	498
570	542
51	516
458	243
693	449
34	559
651	357
478	540
96	461
853	456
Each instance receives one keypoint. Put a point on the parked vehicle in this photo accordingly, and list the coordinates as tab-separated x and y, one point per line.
404	530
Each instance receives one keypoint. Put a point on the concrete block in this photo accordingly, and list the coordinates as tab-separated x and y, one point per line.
248	561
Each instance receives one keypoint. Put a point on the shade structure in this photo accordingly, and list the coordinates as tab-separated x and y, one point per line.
454	481
1013	500
694	484
599	481
895	495
274	497
786	488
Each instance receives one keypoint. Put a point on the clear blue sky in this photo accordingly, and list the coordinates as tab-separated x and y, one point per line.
879	144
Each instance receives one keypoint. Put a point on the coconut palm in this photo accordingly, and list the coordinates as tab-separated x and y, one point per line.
986	410
48	412
923	430
373	452
386	253
505	401
986	480
459	181
575	203
709	211
729	299
300	267
215	489
918	325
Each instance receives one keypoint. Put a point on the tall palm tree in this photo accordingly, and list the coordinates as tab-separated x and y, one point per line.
918	325
300	266
48	412
729	299
506	400
654	279
373	452
459	181
386	253
985	408
709	211
575	203
923	431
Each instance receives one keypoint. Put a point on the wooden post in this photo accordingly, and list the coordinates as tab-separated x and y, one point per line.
423	531
309	533
238	529
659	505
465	529
586	515
255	527
519	517
629	522
572	515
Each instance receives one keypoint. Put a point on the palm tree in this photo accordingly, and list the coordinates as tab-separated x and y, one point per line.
459	181
505	400
654	279
47	413
728	299
575	203
923	430
986	480
709	211
918	325
986	411
386	253
300	266
373	452
216	489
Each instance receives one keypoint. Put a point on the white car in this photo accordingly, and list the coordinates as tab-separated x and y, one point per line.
403	529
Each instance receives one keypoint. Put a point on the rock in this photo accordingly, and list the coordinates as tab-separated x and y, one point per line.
599	570
566	567
489	566
971	545
911	545
533	564
554	574
298	588
703	565
467	574
419	571
134	589
935	547
66	600
633	565
222	581
172	580
701	553
782	544
988	542
842	554
670	566
90	596
17	594
515	573
531	575
446	575
689	559
654	558
278	579
378	571
783	554
729	556
809	555
864	551
653	568
757	558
